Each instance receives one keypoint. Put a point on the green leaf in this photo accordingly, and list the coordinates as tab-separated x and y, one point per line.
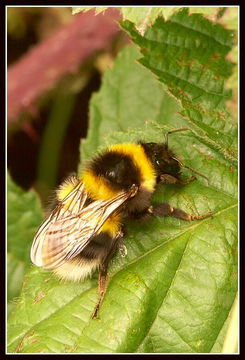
174	290
117	108
24	215
188	54
16	269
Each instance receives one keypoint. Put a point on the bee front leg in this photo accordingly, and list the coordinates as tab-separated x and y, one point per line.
103	271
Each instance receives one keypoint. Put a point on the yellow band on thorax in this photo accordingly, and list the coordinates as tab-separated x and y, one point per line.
137	154
97	187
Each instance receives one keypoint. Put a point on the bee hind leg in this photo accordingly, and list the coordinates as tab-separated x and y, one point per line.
103	272
102	288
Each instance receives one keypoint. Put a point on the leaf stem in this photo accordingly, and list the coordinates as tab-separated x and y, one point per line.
51	146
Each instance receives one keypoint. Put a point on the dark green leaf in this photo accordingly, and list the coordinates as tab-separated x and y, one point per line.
24	215
188	54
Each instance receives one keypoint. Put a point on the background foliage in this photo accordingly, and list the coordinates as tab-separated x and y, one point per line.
174	291
24	216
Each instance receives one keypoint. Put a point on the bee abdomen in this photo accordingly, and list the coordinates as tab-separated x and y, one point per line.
77	269
85	263
98	247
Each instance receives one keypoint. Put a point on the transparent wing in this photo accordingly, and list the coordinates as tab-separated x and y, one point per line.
66	232
71	205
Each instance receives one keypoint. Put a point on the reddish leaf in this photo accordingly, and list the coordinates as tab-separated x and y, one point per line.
63	53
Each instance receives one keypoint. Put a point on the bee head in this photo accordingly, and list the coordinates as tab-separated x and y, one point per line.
164	160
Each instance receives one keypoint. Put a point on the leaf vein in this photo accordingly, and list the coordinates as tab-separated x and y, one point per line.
171	326
200	32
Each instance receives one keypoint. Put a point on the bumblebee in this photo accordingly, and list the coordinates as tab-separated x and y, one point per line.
85	229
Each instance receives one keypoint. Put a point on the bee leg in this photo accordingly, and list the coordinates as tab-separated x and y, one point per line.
165	209
180	214
161	210
101	287
103	273
188	181
169	179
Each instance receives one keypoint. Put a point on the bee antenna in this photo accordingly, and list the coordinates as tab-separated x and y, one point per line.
171	132
189	168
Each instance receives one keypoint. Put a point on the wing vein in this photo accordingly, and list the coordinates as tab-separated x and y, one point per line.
71	226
